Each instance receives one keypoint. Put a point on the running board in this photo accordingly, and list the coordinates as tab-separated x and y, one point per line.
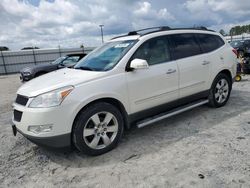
168	114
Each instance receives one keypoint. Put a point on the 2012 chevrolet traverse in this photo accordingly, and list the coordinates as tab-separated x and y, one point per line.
142	77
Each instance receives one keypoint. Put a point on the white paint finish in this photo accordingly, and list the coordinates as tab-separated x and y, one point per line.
193	74
153	86
57	79
137	90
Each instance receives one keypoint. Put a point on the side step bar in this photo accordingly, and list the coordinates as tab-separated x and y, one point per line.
168	114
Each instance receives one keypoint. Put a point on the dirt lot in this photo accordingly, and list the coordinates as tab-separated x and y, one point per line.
204	147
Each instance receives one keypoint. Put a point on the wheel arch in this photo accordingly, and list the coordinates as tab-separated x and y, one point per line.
109	100
228	73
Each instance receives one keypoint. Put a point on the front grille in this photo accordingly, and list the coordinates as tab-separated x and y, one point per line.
22	100
17	115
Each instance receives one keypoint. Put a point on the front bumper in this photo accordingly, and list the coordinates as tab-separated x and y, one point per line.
58	142
59	118
24	78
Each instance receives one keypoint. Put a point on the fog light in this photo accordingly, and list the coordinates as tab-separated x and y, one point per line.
40	128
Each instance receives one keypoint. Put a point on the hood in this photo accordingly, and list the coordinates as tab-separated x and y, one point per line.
33	67
57	79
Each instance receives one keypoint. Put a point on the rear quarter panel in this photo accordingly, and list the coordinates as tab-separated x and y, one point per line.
222	59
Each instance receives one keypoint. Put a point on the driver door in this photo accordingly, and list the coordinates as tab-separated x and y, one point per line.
159	83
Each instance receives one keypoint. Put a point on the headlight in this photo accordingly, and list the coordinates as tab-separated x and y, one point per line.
26	73
52	98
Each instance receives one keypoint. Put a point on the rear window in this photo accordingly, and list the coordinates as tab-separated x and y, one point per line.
184	45
236	44
209	42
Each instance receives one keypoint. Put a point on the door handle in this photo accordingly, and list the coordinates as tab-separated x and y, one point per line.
170	71
206	62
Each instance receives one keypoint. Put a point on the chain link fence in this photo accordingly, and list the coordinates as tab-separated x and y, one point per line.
14	61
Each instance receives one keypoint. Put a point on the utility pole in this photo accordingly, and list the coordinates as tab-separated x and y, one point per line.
101	26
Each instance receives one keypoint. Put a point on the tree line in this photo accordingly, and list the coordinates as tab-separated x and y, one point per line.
237	30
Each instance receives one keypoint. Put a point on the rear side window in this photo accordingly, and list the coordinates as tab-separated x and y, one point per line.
209	43
154	50
184	45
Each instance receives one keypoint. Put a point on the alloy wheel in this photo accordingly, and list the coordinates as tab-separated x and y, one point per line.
100	130
221	91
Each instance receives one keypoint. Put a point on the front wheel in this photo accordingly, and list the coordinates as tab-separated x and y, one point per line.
98	129
220	91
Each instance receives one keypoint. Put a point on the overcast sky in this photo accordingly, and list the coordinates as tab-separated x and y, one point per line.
74	22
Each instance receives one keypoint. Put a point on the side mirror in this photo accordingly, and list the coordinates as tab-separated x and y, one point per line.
139	64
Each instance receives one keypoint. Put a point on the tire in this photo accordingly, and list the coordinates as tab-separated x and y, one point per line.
220	91
98	129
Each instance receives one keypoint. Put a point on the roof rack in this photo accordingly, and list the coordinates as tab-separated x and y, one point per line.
161	28
155	29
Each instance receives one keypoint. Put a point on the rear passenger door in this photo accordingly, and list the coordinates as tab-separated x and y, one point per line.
193	66
213	53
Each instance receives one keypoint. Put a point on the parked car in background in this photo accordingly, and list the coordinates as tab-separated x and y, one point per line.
247	48
69	61
239	46
242	47
139	78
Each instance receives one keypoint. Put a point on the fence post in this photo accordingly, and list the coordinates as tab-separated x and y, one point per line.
82	48
4	65
34	56
59	51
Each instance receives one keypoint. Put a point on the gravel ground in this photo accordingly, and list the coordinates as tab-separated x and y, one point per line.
204	147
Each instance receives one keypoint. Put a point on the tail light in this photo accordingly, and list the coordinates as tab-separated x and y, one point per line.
235	52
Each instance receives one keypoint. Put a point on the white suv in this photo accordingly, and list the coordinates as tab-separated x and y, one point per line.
140	78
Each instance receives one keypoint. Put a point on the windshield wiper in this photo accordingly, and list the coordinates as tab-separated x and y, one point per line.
85	68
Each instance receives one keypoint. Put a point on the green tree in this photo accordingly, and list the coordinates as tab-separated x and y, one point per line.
238	30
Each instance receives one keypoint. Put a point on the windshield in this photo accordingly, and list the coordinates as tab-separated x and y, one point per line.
236	44
59	60
105	57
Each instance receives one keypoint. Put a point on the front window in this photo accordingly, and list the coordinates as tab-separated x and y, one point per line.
154	51
105	57
59	60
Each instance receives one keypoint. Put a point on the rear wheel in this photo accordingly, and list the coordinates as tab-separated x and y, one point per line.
220	90
98	129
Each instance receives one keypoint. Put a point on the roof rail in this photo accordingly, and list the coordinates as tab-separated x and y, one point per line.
137	32
161	28
155	29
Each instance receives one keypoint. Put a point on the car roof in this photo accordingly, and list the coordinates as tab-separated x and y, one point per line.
163	30
76	54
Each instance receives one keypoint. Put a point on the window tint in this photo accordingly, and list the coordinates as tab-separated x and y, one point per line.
71	60
209	43
184	45
155	51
